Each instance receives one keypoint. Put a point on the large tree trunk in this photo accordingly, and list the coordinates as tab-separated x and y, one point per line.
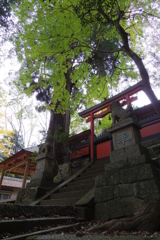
59	128
142	70
137	60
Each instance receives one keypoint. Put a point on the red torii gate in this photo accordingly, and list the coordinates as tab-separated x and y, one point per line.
92	114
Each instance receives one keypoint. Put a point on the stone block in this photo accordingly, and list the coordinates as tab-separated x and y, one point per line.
125	137
122	207
147	190
101	180
156	171
139	173
45	164
125	190
136	150
137	160
85	213
103	194
115	208
116	191
113	177
128	175
125	133
47	184
110	167
101	212
42	175
118	155
20	195
26	196
145	172
131	205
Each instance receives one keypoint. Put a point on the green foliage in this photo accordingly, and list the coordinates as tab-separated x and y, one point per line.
51	41
80	43
5	143
11	143
34	155
103	124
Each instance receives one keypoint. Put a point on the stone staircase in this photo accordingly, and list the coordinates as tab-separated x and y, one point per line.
76	189
20	222
71	193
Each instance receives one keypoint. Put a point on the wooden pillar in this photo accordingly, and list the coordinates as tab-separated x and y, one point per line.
128	100
25	173
2	175
92	137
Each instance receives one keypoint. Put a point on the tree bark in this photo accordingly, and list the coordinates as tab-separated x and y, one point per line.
140	65
58	126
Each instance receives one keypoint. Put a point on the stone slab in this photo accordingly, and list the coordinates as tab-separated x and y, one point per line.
28	195
103	194
87	237
122	207
8	210
86	213
101	212
125	133
128	175
147	190
101	180
125	190
128	154
113	177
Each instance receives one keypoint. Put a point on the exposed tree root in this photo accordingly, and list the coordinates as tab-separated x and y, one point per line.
146	219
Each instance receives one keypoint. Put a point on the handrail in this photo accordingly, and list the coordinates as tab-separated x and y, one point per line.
62	184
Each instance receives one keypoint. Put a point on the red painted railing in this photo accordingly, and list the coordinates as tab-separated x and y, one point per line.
102	109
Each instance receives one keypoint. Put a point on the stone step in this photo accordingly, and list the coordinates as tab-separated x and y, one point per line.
76	188
81	182
95	167
60	202
154	150
90	174
100	163
78	194
151	142
10	210
15	226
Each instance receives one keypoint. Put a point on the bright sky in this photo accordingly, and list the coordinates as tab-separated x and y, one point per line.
30	128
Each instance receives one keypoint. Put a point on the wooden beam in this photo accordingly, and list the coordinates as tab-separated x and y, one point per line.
126	93
7	168
20	171
99	115
104	113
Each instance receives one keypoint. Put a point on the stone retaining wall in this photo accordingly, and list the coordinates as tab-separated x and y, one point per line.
130	178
